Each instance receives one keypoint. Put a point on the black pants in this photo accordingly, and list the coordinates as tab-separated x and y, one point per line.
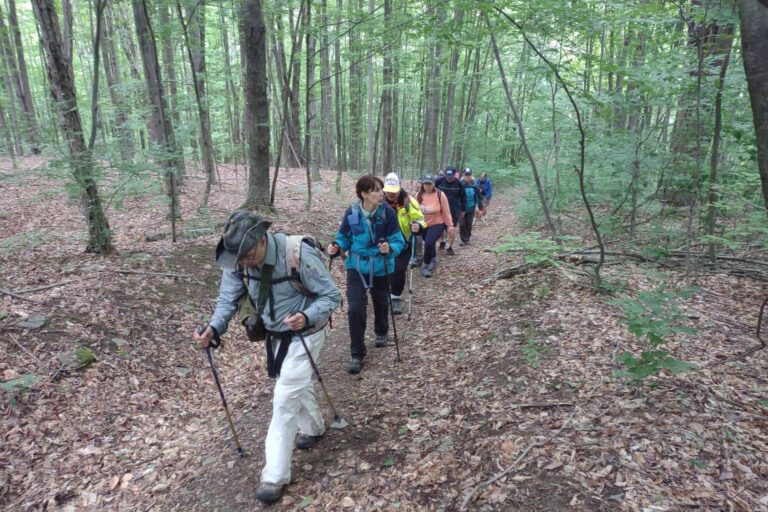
431	235
465	227
401	268
357	312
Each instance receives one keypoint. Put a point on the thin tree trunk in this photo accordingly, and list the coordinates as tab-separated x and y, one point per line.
386	97
458	17
161	129
114	83
256	103
355	81
308	105
233	107
28	104
196	54
433	103
65	99
326	108
341	151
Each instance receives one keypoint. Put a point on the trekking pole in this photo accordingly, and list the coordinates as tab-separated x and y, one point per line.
215	343
410	276
338	421
389	297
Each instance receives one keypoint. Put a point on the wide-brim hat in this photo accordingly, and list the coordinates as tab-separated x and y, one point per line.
241	233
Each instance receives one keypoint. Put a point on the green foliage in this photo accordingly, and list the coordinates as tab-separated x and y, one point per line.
24	240
19	385
535	248
653	317
533	350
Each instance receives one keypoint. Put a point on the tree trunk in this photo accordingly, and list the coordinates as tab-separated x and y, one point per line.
309	109
64	97
69	41
166	40
370	116
195	40
326	104
256	103
233	111
28	104
458	16
355	89
160	128
341	148
114	83
754	45
386	97
433	103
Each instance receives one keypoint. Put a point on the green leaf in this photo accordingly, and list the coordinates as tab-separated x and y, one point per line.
306	501
388	462
19	384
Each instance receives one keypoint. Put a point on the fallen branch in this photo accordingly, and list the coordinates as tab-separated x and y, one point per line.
17	296
143	272
468	497
541	404
41	288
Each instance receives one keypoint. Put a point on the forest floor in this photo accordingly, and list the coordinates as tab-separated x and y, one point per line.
505	380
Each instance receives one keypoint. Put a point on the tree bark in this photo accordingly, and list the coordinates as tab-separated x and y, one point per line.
458	16
326	108
160	127
195	19
233	111
386	97
64	97
114	83
256	103
433	102
28	104
754	45
341	148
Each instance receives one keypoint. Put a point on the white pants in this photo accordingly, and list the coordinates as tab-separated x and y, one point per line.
294	408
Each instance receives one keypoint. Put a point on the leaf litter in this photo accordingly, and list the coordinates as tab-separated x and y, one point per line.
510	380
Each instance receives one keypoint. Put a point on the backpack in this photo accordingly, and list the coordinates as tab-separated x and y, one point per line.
293	259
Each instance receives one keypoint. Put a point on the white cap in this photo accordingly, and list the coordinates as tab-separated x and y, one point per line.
391	183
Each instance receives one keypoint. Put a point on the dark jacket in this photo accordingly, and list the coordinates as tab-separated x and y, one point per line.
454	192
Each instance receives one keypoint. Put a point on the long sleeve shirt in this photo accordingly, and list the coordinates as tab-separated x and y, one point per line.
436	210
287	299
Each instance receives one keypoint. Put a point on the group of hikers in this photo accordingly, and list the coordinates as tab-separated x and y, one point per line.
283	292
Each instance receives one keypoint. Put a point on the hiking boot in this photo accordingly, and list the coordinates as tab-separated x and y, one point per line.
432	265
416	262
449	251
355	366
381	339
442	245
463	243
426	271
397	306
269	493
305	441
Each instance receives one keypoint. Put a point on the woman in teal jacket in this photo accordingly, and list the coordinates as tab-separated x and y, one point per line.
369	232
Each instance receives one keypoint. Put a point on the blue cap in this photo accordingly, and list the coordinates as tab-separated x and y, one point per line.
450	171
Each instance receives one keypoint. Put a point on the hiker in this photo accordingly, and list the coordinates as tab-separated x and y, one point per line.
411	222
369	232
454	191
486	187
474	201
437	214
250	257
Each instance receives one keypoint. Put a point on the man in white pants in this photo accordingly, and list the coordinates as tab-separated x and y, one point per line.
288	301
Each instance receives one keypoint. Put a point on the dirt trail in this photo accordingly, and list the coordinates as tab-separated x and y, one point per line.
387	405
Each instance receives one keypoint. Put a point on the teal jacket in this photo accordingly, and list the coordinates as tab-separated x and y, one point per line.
359	236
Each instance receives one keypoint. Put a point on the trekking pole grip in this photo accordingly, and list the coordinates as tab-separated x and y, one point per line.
214	342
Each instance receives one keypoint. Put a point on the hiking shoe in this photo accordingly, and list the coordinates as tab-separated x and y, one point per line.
381	339
463	243
397	307
432	265
426	271
416	262
355	366
442	245
305	441
449	251
269	493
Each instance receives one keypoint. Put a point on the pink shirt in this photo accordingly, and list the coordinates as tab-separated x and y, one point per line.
436	211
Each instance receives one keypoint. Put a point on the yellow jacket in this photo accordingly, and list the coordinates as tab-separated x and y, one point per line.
407	215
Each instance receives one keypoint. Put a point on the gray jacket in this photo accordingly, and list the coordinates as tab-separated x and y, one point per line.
287	300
